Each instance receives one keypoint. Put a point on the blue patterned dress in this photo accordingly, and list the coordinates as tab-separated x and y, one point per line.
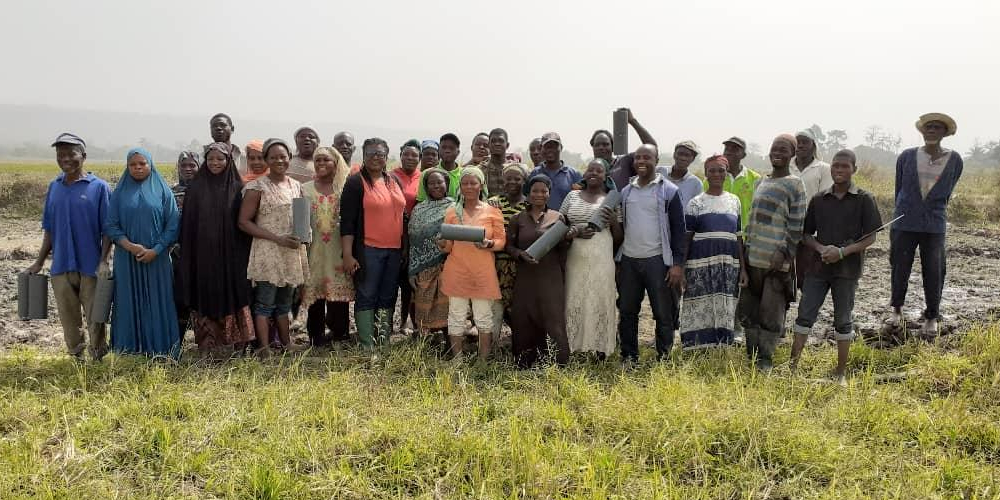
712	271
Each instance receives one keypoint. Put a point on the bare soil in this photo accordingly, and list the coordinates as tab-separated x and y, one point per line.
971	292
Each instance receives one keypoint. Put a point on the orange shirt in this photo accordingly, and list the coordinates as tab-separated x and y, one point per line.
409	183
383	206
470	272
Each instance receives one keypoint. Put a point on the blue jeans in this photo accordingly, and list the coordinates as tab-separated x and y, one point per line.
270	300
380	279
814	290
636	278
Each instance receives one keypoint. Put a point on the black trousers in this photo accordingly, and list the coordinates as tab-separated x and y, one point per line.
903	247
333	315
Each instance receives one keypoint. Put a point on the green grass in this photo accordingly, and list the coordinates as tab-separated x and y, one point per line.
704	426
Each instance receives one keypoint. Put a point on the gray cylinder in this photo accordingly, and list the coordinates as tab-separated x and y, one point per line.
620	147
38	296
301	219
548	240
22	295
611	200
100	309
456	232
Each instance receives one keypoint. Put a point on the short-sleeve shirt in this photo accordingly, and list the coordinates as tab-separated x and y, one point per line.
74	215
839	222
383	205
410	183
562	179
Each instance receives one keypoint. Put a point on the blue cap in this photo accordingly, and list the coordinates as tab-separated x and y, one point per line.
430	143
68	138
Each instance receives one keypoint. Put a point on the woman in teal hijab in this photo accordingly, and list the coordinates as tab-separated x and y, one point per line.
143	222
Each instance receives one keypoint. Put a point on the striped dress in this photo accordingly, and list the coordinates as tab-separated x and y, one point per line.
712	271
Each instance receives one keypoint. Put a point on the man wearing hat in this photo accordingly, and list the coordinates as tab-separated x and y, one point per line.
72	218
815	174
448	152
742	180
563	178
688	185
925	179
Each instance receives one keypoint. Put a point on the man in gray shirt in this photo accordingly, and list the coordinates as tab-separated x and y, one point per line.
651	259
687	183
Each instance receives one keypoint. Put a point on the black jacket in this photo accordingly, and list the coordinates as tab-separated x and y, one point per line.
352	217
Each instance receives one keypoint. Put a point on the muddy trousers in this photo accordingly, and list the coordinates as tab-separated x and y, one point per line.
74	294
903	247
762	308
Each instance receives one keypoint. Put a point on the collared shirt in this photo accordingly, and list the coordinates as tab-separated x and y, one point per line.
73	216
410	183
562	179
642	221
775	222
454	179
815	176
688	186
840	222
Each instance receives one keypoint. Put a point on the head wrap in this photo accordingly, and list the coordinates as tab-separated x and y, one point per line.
483	192
717	159
272	142
808	134
514	157
258	146
514	167
183	157
303	129
430	143
340	175
609	183
789	138
152	189
424	178
544	179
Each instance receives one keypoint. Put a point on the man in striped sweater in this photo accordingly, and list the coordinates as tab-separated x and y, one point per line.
772	235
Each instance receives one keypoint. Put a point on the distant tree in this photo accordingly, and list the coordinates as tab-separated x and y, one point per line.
836	140
873	135
877	138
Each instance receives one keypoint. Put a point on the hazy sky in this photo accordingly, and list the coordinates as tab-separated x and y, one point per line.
703	69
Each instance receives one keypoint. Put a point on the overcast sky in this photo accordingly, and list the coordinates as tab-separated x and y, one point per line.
705	69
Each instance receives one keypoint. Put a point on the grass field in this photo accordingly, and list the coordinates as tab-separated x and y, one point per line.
310	427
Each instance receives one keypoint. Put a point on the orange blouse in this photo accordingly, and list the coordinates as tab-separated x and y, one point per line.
470	272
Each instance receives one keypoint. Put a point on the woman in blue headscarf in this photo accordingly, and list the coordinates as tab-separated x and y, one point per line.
143	222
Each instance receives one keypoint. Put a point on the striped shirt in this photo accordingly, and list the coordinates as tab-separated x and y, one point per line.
776	217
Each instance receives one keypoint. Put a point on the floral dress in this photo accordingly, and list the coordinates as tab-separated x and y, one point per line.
270	262
327	279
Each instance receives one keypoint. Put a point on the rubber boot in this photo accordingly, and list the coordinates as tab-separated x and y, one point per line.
383	326
767	342
365	322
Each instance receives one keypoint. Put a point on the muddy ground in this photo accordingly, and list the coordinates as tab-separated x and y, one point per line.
971	291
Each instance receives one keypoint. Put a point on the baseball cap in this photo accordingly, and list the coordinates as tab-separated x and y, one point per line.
551	137
450	137
736	141
68	138
689	145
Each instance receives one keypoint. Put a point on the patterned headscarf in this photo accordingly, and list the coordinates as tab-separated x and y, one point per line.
483	192
258	146
183	157
717	159
789	138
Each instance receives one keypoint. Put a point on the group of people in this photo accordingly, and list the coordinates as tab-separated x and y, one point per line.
720	258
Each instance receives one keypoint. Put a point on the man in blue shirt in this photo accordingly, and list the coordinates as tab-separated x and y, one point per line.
75	207
563	177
